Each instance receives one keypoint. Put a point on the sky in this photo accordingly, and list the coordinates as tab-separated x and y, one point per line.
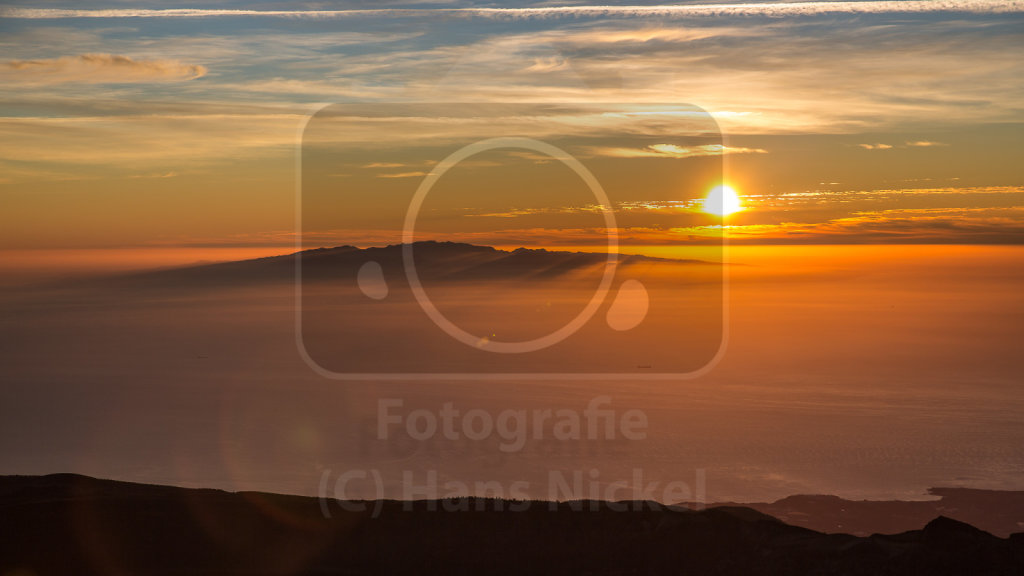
135	124
140	134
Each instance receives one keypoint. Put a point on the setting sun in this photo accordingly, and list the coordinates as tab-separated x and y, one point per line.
722	200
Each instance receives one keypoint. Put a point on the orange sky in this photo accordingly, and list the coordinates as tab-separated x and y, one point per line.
840	123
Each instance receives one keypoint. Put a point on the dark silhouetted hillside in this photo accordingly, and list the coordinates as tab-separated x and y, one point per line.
996	511
68	524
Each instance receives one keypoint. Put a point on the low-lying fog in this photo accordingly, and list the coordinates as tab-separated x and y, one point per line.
867	372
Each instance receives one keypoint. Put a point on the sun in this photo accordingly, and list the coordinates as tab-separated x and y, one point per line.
722	201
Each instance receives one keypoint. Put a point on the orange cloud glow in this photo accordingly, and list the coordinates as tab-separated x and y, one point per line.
99	69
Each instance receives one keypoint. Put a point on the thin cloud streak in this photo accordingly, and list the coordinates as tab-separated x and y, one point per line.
675	151
928	225
696	10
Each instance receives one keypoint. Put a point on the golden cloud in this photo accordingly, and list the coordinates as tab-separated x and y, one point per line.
99	69
675	151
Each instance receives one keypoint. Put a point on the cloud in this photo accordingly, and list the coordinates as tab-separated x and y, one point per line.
154	142
927	226
916	144
772	9
402	175
781	76
818	206
1001	225
675	151
159	136
517	212
641	35
897	227
550	64
692	206
98	69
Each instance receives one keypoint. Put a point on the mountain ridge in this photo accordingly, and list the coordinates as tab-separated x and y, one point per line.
68	523
1000	512
436	260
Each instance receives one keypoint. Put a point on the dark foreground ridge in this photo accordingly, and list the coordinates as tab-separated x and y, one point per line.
69	524
1000	512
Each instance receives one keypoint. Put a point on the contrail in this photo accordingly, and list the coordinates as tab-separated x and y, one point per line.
775	9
